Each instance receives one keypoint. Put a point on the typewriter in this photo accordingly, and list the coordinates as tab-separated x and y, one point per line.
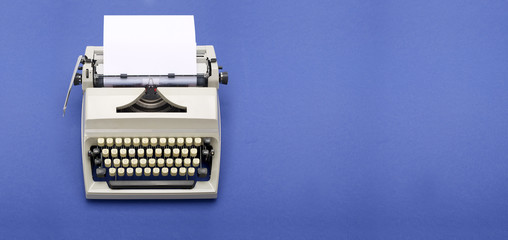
149	137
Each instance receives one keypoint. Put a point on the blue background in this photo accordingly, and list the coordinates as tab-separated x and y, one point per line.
342	119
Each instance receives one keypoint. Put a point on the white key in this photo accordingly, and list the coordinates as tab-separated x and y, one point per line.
107	162
197	142
105	152
188	142
160	162
144	142
187	162
114	152
127	142
158	152
185	152
109	142
139	171
116	162
183	171
179	142
151	162
135	142
134	162
100	142
149	152
169	162
112	172
176	152
165	171
153	142
178	162
123	152
162	141
132	152
193	152
156	171
191	171
142	162
121	172
167	152
171	142
148	171
130	171
118	142
141	152
125	162
174	171
195	162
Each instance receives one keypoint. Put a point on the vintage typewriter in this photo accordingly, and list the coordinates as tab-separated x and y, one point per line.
149	137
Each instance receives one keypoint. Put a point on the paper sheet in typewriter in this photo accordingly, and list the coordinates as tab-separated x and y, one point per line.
149	45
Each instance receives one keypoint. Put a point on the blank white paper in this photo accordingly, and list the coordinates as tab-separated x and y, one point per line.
149	45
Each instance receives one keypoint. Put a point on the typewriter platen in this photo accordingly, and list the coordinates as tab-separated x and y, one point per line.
149	137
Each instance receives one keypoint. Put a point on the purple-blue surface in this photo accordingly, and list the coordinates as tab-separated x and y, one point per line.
342	119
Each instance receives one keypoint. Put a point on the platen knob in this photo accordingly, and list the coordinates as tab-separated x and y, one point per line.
77	79
223	78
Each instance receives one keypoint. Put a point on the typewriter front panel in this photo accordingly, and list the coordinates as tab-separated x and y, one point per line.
151	155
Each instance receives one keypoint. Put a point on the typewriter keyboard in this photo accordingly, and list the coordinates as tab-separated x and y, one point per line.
151	162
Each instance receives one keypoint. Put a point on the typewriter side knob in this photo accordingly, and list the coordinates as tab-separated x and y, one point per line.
223	78
77	79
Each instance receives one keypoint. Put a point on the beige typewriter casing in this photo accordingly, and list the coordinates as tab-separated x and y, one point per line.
100	119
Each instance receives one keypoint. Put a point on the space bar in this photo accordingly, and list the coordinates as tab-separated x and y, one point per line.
174	184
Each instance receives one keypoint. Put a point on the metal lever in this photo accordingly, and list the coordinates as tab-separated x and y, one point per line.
72	82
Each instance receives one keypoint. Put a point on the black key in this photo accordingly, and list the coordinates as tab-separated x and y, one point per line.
207	141
202	172
101	172
98	162
175	184
96	152
205	153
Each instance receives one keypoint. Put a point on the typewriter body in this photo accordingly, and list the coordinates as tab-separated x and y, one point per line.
150	137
